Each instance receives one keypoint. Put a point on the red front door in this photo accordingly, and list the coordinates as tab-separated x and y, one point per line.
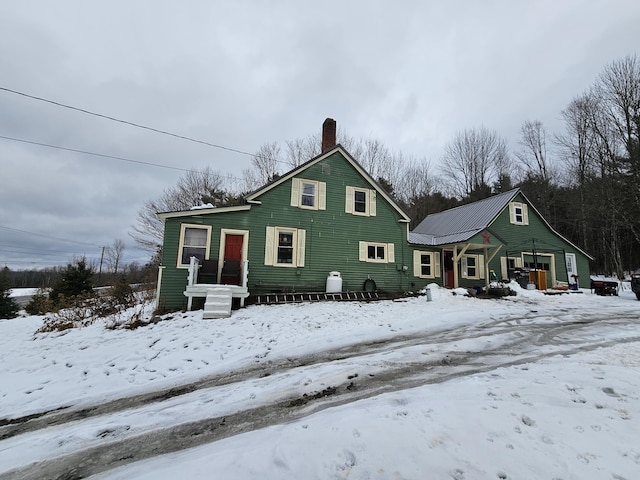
448	269
232	260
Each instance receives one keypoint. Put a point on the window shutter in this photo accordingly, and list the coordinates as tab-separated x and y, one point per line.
525	214
302	234
322	196
518	262
504	271
295	192
363	251
348	206
372	203
436	263
481	266
269	245
463	264
512	213
391	255
417	264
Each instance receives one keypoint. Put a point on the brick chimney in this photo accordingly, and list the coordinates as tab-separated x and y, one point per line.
328	134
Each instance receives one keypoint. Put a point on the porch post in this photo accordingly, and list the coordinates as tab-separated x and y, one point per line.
455	266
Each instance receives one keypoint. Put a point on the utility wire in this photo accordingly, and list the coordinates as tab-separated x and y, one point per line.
49	236
126	122
103	155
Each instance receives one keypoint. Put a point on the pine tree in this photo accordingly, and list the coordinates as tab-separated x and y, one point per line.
8	306
75	280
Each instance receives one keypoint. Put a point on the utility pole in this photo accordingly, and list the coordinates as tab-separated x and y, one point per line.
101	258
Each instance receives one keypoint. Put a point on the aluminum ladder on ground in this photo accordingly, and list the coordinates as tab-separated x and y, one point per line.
279	298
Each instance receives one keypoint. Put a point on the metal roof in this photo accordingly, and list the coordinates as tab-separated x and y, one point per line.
461	223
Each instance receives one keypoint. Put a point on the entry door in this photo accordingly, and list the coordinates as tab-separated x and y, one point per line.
232	260
572	268
448	269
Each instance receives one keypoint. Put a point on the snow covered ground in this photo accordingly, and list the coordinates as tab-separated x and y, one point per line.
481	389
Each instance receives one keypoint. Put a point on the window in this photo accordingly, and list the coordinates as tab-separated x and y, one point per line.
376	252
308	194
360	201
518	213
472	267
194	242
284	247
426	264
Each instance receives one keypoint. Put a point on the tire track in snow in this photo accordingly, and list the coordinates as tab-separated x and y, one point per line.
522	349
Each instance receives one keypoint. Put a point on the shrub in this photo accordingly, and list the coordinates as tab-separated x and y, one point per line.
40	304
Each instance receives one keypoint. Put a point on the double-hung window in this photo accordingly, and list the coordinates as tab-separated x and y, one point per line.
308	194
426	264
518	213
284	247
360	201
472	267
194	242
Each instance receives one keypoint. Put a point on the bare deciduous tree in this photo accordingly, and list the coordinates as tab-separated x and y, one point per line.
113	255
473	160
533	153
195	188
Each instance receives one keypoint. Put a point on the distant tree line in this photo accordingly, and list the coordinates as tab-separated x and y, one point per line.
585	179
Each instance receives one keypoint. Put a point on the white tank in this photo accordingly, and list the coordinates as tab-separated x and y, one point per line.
334	282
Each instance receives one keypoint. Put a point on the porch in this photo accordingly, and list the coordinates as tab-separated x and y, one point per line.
200	272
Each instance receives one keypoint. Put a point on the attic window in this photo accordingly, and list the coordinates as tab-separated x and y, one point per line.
360	201
518	213
308	194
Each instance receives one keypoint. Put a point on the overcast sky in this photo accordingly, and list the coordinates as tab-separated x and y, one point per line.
242	73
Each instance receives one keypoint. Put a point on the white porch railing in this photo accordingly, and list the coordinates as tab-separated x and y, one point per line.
195	289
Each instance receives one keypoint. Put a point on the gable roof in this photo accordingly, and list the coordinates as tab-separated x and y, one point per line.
253	197
462	223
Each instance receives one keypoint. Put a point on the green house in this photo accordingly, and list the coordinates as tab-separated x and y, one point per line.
498	238
324	224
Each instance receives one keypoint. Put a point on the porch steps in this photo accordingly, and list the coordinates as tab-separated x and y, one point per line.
279	298
218	302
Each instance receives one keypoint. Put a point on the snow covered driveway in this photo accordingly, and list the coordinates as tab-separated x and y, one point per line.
191	382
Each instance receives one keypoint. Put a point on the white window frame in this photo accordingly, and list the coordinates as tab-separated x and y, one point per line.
479	266
434	264
319	196
387	248
518	213
181	244
504	265
272	245
369	203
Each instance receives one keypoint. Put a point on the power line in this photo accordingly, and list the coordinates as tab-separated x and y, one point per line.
126	122
49	236
103	155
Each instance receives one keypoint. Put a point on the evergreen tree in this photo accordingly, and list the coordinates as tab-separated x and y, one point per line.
75	280
8	306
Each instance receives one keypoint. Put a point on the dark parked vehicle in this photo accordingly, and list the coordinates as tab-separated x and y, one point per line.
604	286
635	283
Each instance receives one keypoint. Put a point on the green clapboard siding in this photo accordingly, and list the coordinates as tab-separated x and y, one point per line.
332	238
